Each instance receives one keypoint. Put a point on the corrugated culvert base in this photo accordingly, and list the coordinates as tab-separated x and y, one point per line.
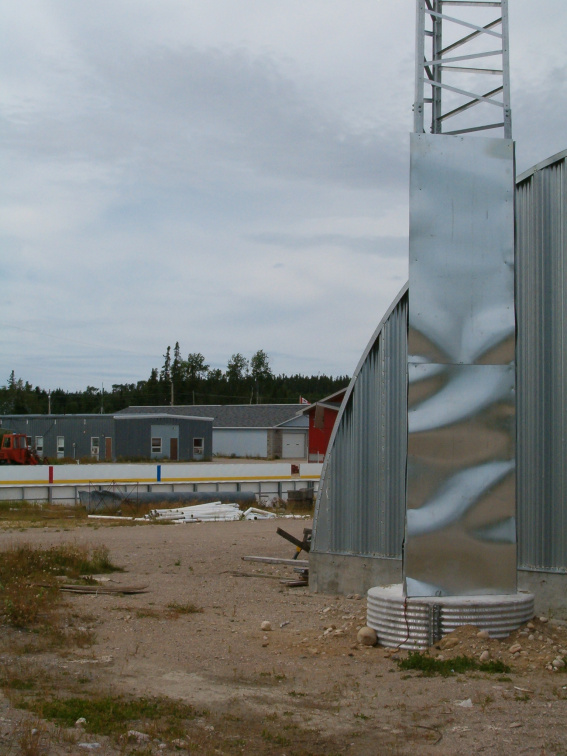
419	622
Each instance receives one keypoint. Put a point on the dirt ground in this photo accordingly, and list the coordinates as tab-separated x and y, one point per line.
303	687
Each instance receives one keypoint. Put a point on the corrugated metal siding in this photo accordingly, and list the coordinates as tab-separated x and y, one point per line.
541	279
361	504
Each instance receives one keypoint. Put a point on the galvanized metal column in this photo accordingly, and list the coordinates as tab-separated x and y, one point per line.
460	512
460	521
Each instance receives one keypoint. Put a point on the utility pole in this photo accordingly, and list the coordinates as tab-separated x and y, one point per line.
49	402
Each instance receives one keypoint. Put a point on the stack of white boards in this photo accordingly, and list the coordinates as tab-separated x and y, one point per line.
212	511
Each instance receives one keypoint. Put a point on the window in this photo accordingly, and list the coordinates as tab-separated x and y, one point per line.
198	444
28	441
39	445
156	445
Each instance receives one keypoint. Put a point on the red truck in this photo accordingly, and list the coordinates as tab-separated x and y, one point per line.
14	449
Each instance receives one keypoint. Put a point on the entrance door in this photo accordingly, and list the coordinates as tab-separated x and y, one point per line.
173	448
108	448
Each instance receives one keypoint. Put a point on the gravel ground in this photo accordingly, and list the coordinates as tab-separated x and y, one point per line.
303	686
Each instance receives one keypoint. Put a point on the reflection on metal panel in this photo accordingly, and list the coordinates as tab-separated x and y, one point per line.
361	502
461	250
460	528
541	259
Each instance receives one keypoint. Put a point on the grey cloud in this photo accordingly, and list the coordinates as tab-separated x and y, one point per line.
166	112
385	246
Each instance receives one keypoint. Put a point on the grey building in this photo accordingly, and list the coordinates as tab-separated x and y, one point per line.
69	436
267	431
149	435
160	435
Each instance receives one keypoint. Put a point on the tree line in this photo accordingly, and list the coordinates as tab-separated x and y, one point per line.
179	381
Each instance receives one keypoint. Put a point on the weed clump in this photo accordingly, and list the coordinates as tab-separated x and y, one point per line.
111	715
428	666
29	579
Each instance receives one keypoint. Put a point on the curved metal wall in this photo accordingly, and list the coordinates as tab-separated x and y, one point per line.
361	503
541	279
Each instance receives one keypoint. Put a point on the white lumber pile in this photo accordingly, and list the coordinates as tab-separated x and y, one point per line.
211	511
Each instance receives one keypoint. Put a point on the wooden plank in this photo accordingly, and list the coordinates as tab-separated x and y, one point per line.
304	544
277	560
294	583
96	589
235	573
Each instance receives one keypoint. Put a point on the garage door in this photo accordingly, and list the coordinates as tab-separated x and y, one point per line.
293	445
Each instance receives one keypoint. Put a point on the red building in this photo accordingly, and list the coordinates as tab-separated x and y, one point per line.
322	416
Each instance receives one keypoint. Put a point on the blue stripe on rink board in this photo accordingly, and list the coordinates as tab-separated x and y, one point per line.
159	473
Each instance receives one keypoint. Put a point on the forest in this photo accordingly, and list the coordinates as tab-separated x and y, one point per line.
180	381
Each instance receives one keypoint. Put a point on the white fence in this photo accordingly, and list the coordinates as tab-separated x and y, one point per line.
61	483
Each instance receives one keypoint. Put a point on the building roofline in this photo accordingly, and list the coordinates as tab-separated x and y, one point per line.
326	401
154	415
557	158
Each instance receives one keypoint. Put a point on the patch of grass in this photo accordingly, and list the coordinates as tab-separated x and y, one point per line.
112	715
275	738
187	608
150	614
15	680
28	579
428	666
17	514
172	611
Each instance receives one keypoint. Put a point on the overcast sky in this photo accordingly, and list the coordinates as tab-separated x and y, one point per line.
229	174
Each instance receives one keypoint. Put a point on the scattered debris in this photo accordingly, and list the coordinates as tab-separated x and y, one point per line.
213	510
97	589
252	513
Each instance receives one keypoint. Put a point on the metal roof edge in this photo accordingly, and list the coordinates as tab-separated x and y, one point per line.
540	166
58	415
245	427
139	416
